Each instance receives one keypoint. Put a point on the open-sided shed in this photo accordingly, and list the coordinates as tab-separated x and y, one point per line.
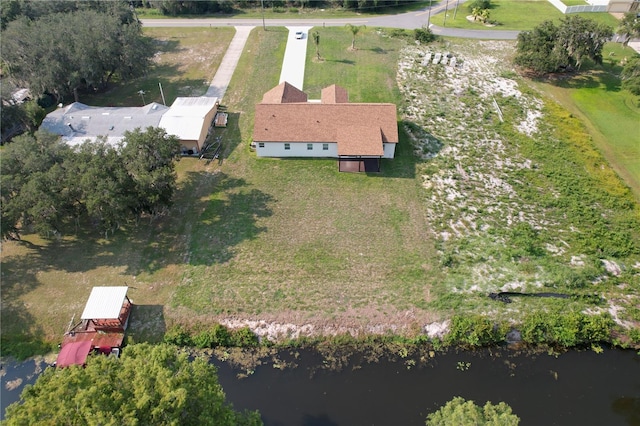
103	323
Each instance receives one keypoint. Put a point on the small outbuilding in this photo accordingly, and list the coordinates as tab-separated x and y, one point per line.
103	323
190	118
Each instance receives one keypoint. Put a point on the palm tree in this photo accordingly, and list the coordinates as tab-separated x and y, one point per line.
475	12
316	41
355	29
484	15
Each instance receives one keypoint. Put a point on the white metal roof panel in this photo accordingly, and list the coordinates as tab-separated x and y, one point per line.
104	303
185	118
78	122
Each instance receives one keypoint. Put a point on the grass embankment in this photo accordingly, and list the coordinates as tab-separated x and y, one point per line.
512	15
294	241
610	113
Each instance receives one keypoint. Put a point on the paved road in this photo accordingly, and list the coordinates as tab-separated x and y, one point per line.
410	20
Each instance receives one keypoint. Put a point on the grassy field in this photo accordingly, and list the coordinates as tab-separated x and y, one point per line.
512	15
186	62
611	114
294	241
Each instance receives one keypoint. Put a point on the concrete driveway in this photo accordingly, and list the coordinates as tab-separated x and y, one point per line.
220	82
295	56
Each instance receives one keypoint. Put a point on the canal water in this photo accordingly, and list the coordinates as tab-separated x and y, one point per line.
575	388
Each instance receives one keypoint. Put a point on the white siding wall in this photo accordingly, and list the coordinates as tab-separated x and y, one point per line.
389	150
298	149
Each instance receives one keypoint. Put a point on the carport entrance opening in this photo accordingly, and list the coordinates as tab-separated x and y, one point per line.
367	165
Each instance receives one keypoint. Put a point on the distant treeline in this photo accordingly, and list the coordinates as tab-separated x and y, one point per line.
198	7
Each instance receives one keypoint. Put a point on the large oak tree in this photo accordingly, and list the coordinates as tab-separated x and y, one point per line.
49	187
148	385
84	49
551	48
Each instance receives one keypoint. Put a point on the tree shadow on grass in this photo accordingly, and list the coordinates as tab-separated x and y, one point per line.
380	50
342	61
226	218
592	79
21	336
146	324
212	214
406	160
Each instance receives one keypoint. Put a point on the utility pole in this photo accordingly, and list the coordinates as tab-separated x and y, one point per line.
429	17
141	93
455	11
162	93
264	27
446	8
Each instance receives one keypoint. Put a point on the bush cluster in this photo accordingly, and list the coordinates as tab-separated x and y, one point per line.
474	330
212	337
566	329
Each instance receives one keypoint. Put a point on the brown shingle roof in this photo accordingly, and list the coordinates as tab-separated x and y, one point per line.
284	93
318	122
334	94
360	140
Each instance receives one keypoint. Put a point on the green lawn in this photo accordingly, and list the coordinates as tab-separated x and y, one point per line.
612	114
365	72
512	15
296	238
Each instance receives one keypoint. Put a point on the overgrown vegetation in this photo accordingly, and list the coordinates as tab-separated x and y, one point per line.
200	7
520	199
212	337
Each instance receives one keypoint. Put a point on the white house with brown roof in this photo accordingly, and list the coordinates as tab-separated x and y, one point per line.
287	124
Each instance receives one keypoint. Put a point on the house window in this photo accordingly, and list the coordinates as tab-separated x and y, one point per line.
325	147
287	146
260	144
309	146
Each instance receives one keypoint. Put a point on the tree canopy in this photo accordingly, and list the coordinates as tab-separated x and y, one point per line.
148	385
459	412
551	48
83	49
47	186
630	75
629	27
